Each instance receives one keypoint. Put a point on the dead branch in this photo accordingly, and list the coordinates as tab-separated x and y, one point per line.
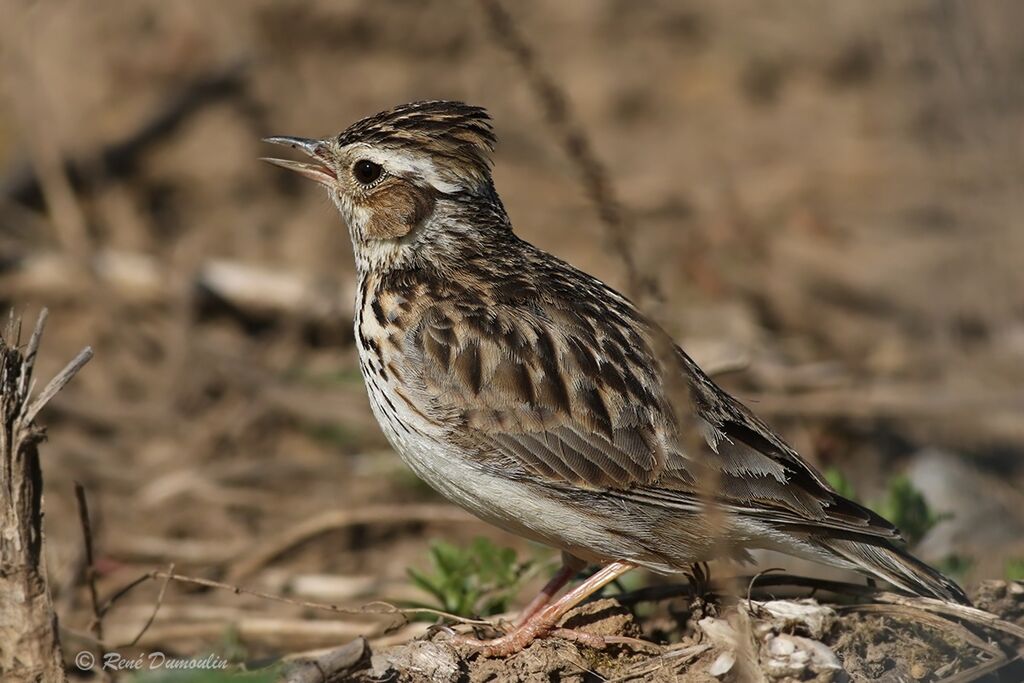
321	666
29	641
96	625
972	615
57	383
377	607
276	631
156	606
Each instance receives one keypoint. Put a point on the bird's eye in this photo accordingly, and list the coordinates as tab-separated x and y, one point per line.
367	172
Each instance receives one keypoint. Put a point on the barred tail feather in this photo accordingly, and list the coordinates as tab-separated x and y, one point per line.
898	567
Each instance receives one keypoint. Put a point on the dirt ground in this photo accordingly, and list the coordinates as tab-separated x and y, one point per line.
828	196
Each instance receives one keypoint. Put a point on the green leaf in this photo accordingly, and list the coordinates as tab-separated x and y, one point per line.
955	565
424	583
905	507
479	579
1014	569
840	483
903	504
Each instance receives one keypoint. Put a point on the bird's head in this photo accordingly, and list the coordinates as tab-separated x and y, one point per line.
411	182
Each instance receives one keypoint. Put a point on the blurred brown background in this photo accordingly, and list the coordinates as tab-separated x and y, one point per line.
828	194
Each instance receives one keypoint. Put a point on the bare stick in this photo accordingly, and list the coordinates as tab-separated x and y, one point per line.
156	606
322	666
375	607
96	627
96	624
58	382
29	641
972	615
37	335
273	631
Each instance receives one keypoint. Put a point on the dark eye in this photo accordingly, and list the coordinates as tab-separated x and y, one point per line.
367	172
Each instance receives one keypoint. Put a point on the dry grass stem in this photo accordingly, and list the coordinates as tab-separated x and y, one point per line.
96	623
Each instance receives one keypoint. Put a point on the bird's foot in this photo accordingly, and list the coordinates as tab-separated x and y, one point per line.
508	644
703	599
543	620
699	577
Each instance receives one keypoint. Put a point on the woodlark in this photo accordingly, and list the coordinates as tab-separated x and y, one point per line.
534	395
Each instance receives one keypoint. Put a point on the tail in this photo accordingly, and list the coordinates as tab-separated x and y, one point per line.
897	566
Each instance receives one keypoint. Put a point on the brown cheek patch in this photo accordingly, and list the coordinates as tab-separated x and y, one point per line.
397	210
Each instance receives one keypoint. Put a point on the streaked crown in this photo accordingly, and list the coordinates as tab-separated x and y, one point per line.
412	183
456	135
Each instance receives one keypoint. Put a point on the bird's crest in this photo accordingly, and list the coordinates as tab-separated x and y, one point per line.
455	134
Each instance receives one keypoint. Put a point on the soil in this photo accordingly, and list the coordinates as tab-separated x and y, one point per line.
899	646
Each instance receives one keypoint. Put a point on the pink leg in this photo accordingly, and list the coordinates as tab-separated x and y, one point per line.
545	619
570	566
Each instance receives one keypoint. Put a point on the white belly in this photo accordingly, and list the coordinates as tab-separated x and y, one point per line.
500	500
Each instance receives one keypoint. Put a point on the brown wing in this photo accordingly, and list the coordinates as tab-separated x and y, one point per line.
564	385
546	391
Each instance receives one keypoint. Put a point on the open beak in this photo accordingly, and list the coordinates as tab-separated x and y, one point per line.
318	171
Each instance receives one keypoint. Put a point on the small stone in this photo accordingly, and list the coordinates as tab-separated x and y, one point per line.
719	631
807	615
781	647
792	657
722	665
436	661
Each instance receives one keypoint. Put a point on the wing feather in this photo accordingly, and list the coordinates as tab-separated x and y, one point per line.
570	395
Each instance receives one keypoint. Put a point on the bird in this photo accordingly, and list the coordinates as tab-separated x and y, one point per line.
542	400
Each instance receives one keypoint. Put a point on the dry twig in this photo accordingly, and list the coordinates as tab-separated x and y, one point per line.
96	624
376	607
29	641
320	667
156	605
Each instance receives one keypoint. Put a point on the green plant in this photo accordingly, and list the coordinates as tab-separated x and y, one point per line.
840	483
333	434
1014	569
955	565
903	504
478	580
232	647
905	507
